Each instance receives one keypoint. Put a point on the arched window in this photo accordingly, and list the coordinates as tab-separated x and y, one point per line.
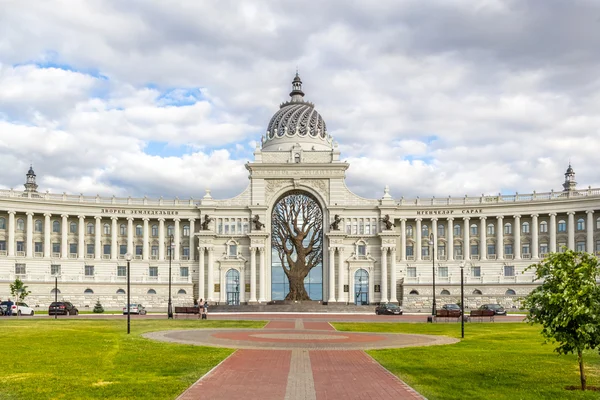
543	227
106	229
139	231
597	223
409	231
181	291
491	230
170	230
3	223
562	226
510	292
474	229
38	225
445	293
457	230
123	229
441	230
414	293
20	224
57	291
88	291
507	228
56	227
154	230
525	227
73	227
477	292
90	229
425	231
580	224
186	230
120	291
151	291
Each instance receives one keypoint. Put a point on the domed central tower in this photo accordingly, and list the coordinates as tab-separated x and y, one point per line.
297	123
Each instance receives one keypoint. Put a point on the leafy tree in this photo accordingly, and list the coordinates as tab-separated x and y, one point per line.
298	238
19	291
98	309
567	303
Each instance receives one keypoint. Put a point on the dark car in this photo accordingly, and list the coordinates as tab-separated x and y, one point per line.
496	308
452	308
62	308
390	309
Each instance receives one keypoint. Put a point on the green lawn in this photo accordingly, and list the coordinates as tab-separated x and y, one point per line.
96	359
494	361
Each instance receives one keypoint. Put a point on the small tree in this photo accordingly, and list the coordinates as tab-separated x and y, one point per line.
567	303
98	309
19	291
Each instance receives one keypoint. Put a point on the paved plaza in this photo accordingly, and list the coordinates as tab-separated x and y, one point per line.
298	358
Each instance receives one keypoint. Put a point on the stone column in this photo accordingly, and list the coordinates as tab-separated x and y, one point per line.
482	238
534	236
177	250
434	246
418	239
114	231
450	240
81	237
341	295
64	240
11	233
589	242
466	240
146	239
253	274
47	233
130	249
331	286
211	275
192	244
517	234
552	233
242	286
393	292
201	294
29	238
384	275
402	239
98	237
571	230
263	284
161	239
500	237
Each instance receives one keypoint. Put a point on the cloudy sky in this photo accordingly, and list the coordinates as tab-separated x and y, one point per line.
432	98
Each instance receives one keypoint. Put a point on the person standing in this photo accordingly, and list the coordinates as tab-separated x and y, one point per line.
204	316
9	305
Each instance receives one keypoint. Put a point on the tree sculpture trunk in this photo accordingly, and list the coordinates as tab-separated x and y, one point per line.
581	370
297	235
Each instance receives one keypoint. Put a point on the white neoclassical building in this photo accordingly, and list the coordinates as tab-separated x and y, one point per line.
373	250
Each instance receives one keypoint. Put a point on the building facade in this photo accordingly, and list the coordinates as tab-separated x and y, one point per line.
373	250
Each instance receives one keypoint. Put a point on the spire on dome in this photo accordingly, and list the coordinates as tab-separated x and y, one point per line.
297	94
30	185
570	183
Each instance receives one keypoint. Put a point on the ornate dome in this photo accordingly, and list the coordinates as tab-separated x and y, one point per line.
297	122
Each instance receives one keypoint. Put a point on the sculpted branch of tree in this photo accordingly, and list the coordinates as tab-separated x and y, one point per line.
567	303
298	238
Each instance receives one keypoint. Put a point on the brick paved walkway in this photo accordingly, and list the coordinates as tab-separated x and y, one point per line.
298	359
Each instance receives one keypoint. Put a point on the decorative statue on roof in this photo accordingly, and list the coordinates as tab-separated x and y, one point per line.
387	221
335	225
257	224
206	222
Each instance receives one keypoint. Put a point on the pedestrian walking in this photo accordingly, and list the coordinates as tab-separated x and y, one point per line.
204	316
9	305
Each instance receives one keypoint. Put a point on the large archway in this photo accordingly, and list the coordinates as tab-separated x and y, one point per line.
297	248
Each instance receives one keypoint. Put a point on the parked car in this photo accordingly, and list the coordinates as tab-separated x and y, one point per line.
135	309
390	309
62	308
17	308
452	308
496	308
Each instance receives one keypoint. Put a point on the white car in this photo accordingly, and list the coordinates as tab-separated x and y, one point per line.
21	309
135	309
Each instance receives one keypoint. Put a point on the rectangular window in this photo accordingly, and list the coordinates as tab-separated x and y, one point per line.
73	227
354	228
443	272
367	228
491	249
153	271
55	269
73	248
138	250
245	226
227	228
561	247
220	227
361	227
509	270
90	248
525	248
106	249
373	228
232	250
186	251
184	272
122	249
362	250
121	270
597	246
476	272
154	251
56	247
411	272
239	226
233	227
89	270
410	251
425	251
38	247
580	246
2	245
458	250
474	249
441	250
20	246
20	269
508	249
543	248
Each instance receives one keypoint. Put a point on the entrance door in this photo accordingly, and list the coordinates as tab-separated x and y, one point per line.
233	287
361	287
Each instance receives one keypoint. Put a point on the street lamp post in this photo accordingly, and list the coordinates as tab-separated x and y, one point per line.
169	305
462	299
128	258
433	306
55	295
